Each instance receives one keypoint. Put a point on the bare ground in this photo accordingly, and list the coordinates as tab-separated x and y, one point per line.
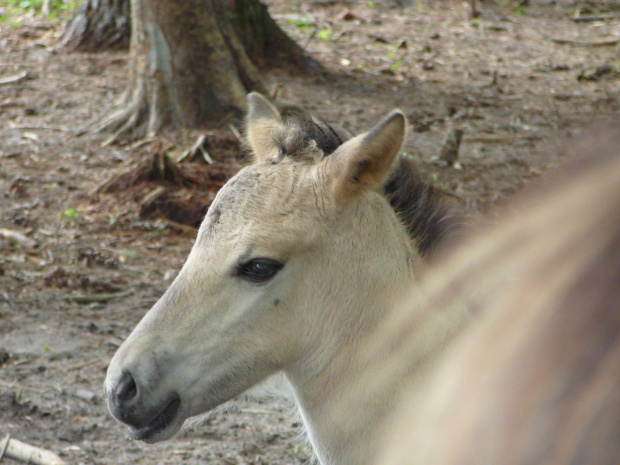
521	84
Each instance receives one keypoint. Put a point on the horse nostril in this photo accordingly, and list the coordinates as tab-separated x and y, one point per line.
126	390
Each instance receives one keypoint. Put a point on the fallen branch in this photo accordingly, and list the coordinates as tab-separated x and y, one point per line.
22	452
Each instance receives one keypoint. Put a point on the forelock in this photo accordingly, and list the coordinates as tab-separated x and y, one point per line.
305	138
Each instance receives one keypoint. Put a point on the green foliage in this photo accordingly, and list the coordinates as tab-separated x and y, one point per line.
325	34
303	23
71	216
70	213
35	7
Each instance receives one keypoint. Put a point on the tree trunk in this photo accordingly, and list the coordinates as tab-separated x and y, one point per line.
98	25
189	62
262	39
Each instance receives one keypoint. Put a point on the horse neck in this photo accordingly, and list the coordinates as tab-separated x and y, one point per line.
346	407
345	431
330	373
338	435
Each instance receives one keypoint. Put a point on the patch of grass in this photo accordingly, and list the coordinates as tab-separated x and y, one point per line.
71	216
18	8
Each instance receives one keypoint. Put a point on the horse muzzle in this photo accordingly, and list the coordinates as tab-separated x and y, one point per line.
149	420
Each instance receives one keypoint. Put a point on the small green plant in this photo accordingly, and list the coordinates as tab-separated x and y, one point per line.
519	10
325	34
72	216
371	4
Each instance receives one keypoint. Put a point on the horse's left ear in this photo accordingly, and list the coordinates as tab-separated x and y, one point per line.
261	121
364	163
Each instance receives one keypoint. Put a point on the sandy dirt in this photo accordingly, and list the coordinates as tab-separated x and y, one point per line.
520	83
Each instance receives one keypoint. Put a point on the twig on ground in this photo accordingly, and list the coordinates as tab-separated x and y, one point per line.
200	146
15	78
42	126
18	238
582	43
26	453
591	18
236	132
81	366
101	298
142	142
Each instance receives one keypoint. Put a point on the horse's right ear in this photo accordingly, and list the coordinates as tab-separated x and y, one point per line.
262	120
364	163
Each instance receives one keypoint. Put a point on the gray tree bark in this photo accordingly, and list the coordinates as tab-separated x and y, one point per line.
190	62
98	25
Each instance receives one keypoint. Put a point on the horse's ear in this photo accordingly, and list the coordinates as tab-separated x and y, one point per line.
261	121
364	163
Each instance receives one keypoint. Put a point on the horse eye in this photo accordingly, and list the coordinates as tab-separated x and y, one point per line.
259	270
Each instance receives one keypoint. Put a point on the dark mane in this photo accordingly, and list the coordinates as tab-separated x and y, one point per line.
431	217
303	133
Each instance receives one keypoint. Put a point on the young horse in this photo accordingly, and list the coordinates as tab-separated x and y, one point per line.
298	261
537	379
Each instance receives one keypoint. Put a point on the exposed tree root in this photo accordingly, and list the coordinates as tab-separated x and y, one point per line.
165	190
130	120
158	167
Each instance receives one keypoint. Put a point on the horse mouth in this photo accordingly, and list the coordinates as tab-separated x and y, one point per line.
163	425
